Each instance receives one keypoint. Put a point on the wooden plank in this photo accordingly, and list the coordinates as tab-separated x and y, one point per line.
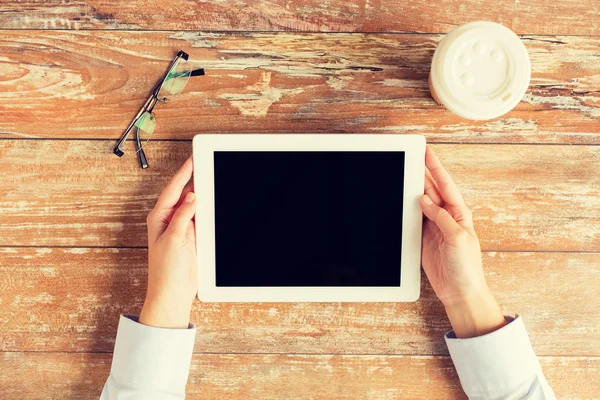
536	16
77	193
63	84
55	299
298	377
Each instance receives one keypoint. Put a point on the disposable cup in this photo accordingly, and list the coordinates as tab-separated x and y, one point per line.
480	71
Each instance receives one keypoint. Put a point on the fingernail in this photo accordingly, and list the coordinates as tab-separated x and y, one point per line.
427	200
190	197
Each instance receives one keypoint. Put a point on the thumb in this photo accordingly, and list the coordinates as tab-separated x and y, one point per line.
442	218
183	215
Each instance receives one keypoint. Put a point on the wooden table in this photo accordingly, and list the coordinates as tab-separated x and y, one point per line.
72	215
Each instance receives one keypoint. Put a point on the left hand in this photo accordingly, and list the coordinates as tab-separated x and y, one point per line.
172	266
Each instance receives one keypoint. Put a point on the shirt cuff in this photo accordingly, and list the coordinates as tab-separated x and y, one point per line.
496	361
153	359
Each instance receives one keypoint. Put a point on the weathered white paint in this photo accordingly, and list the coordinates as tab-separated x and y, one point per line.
262	95
563	103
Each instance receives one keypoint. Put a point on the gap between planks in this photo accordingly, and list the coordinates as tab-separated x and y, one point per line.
9	246
231	353
312	32
305	133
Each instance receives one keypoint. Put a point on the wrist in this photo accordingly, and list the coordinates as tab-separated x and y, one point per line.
475	315
162	314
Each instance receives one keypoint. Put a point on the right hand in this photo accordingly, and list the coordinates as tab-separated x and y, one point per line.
452	256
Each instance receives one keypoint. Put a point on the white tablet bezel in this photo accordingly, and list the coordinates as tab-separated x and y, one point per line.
204	147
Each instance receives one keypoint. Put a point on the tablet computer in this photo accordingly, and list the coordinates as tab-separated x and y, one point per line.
308	217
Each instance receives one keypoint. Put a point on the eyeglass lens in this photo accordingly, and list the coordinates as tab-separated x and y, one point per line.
146	125
176	79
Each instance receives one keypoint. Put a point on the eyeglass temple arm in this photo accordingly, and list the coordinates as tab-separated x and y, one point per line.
197	72
117	150
140	150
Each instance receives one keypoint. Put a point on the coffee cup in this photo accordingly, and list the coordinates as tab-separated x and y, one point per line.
480	71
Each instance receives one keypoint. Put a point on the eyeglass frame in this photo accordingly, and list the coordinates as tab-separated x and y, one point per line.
148	107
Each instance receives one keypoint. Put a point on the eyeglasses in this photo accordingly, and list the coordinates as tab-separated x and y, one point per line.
172	83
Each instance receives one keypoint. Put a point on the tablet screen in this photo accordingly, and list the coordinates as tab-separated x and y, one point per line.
308	218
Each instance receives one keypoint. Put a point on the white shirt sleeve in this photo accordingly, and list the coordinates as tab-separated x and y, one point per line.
149	363
499	365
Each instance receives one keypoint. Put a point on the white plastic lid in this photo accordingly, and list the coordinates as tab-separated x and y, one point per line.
480	70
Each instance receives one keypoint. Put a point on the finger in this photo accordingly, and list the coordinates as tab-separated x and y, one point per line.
171	194
183	216
159	219
447	188
442	218
432	190
188	188
462	215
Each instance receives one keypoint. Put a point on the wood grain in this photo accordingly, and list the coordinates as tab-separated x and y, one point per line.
535	16
55	299
296	377
77	193
62	84
86	73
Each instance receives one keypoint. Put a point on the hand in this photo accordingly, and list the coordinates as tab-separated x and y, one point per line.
172	267
452	257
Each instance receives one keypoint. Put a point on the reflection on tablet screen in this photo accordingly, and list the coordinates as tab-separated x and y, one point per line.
308	218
